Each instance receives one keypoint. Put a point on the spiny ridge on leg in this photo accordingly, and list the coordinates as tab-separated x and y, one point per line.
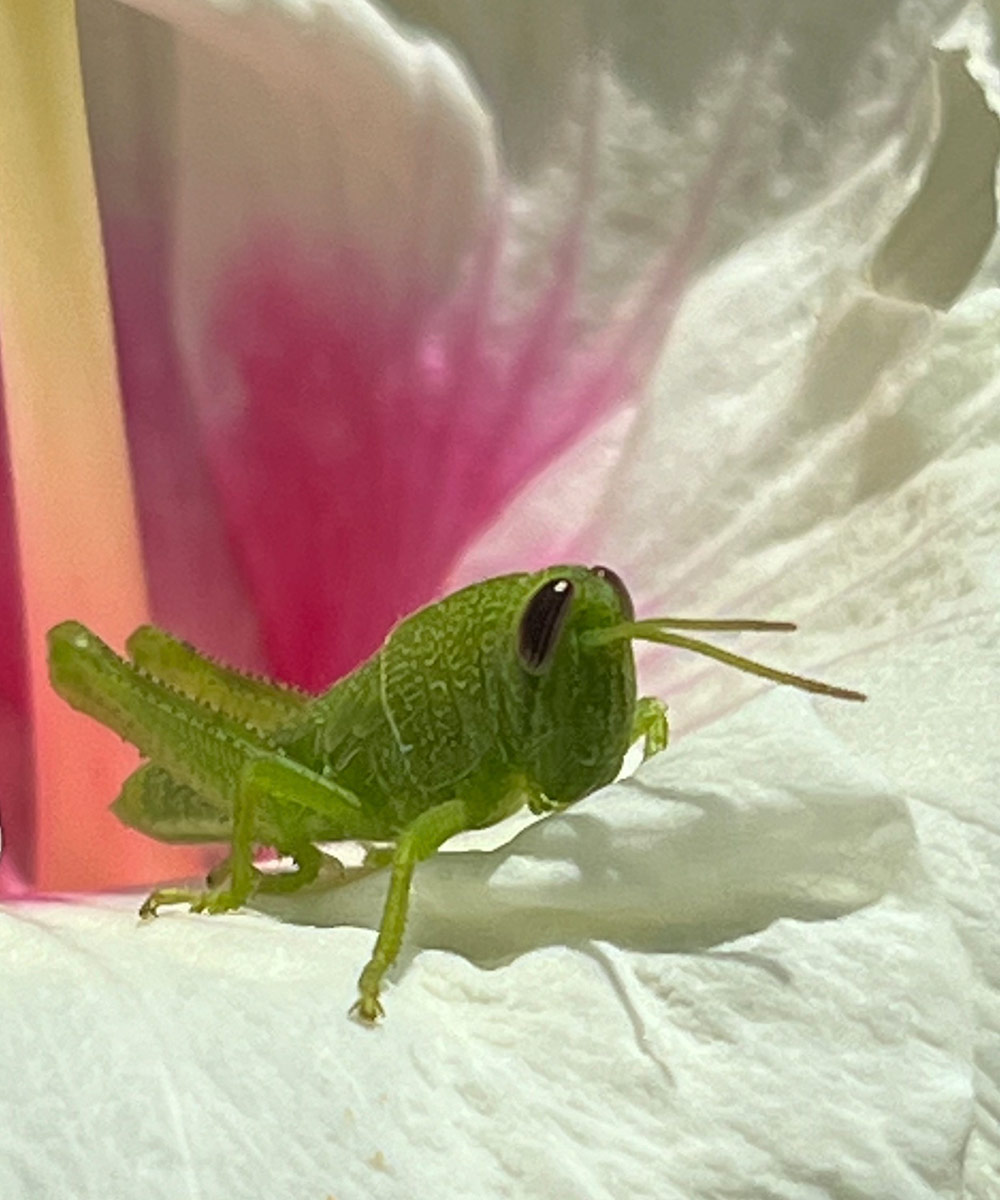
245	697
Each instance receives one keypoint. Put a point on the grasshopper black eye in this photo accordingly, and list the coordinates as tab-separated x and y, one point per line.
542	622
621	591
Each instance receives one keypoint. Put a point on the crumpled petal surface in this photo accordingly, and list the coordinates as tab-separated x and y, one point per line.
810	1033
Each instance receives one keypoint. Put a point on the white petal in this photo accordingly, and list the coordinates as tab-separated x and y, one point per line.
290	193
828	1053
803	99
856	489
815	449
783	336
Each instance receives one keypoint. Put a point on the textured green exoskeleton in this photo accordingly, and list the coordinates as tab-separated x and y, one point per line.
518	690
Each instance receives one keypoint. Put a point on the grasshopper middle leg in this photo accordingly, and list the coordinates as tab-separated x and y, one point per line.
418	841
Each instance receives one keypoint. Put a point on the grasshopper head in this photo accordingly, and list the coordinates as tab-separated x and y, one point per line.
575	635
580	697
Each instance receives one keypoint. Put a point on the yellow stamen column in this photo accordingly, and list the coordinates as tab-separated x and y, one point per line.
78	542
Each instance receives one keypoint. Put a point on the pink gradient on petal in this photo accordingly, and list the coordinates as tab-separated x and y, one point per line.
195	586
359	448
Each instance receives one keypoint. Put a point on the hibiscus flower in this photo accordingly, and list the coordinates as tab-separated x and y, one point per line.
407	297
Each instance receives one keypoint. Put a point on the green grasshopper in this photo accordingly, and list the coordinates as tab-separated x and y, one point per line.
518	690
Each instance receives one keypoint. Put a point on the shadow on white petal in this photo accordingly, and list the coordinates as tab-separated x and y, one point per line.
762	818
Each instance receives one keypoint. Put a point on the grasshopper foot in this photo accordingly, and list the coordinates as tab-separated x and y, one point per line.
367	1009
162	896
218	900
210	900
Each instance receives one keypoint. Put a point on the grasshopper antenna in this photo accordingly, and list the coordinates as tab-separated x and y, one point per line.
660	629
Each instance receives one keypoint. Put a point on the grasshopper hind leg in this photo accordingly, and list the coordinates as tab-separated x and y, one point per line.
154	803
231	884
215	896
264	704
199	754
237	884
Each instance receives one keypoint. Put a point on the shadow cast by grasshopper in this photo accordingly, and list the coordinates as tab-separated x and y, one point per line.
643	866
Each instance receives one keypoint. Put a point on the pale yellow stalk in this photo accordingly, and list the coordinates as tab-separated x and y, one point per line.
78	541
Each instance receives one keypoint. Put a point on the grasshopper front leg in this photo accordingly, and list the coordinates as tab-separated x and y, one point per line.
650	724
